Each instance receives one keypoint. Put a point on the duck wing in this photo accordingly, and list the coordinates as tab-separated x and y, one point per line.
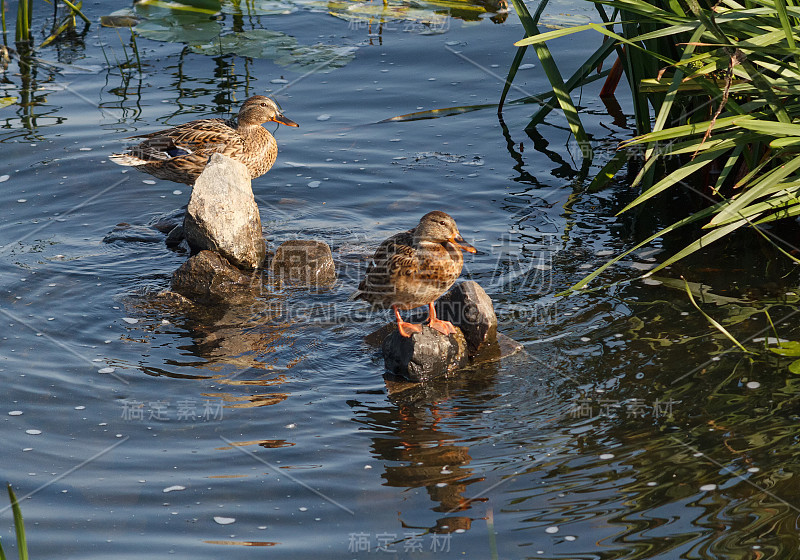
199	138
394	258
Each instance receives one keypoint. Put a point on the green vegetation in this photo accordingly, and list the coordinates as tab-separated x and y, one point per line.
714	95
19	526
22	33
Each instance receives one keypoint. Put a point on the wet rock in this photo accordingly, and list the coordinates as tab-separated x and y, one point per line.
223	216
175	237
209	278
469	308
425	355
304	263
166	222
128	233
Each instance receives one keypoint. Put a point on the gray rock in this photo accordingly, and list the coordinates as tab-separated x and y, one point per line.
424	356
305	263
223	216
209	278
469	308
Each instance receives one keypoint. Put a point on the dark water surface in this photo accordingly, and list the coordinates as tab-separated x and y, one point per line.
626	430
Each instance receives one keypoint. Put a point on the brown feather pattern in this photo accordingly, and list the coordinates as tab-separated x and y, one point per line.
180	153
415	267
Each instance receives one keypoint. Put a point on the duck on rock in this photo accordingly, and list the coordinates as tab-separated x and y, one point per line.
180	153
415	268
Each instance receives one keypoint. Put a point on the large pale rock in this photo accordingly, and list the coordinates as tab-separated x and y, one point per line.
469	308
223	216
209	278
303	262
425	355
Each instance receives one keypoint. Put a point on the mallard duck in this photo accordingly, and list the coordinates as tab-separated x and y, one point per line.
414	268
180	153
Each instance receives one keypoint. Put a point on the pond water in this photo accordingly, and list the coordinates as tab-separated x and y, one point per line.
628	428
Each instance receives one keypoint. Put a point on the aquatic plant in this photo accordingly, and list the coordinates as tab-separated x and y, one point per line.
22	30
19	527
714	96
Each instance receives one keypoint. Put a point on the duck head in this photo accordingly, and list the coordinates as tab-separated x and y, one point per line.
260	109
438	227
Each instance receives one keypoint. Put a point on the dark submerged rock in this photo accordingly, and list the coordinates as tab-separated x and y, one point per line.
424	355
166	222
223	216
304	263
128	233
209	278
175	237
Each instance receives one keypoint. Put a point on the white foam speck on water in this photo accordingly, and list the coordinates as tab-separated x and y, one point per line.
606	456
225	520
106	370
570	538
262	527
526	66
4	178
367	466
279	81
395	140
27	448
708	487
302	509
552	530
148	182
33	432
585	339
324	117
175	488
753	384
314	184
177	192
15	413
290	426
80	407
22	200
84	149
130	320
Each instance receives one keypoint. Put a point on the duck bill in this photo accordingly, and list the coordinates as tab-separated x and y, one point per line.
459	242
285	120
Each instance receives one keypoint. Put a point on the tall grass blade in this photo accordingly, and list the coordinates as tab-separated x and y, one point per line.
76	10
554	76
512	72
714	323
19	525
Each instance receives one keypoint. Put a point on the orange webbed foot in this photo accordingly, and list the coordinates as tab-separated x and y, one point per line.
444	327
407	329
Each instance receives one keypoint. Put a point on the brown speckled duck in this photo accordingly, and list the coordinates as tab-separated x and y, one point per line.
180	153
414	268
